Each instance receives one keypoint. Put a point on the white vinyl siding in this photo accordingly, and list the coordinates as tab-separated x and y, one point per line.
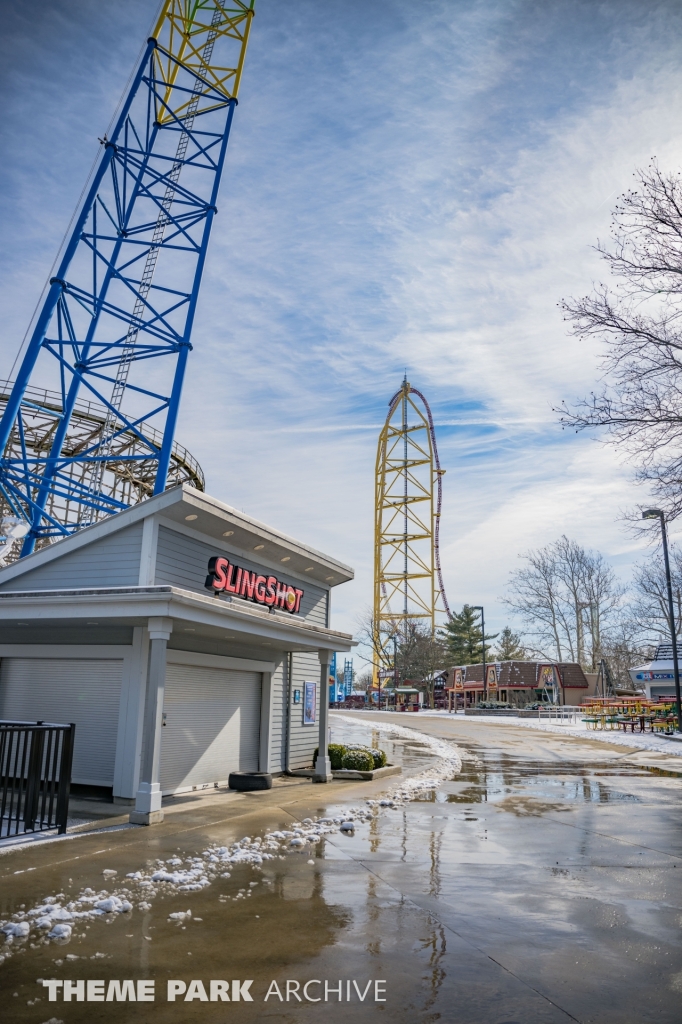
182	561
112	561
80	690
212	725
303	738
278	731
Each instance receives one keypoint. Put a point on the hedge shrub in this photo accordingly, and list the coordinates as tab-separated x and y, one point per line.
379	757
359	746
336	752
358	760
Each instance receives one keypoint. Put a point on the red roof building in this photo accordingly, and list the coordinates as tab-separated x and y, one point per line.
519	682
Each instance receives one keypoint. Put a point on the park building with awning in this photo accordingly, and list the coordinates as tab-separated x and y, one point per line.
657	677
519	683
184	639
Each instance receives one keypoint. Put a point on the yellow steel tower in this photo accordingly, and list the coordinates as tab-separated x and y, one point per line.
408	582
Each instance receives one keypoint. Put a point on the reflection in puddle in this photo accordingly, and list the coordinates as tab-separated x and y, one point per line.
411	754
369	904
496	778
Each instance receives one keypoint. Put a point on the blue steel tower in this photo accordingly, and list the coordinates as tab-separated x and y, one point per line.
116	322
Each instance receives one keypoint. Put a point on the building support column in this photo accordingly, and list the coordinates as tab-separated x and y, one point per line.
131	720
148	799
323	766
265	723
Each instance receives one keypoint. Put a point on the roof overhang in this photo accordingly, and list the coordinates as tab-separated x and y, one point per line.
200	515
222	618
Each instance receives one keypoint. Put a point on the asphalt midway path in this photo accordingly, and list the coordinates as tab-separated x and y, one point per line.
542	884
555	876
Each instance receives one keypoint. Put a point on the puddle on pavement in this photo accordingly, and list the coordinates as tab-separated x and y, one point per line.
495	779
358	914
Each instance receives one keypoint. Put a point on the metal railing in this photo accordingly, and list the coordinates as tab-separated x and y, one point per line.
566	714
35	776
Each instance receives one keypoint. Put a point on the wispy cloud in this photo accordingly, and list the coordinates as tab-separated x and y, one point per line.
408	187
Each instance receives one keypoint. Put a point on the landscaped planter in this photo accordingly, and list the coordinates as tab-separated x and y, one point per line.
378	773
350	776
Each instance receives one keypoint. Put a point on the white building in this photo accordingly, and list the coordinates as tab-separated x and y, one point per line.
657	678
174	676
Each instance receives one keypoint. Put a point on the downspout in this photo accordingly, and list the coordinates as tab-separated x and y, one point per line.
287	716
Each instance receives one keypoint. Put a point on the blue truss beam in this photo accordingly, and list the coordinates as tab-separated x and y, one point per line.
126	289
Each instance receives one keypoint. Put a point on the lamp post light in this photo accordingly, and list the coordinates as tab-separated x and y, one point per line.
479	608
395	670
655	513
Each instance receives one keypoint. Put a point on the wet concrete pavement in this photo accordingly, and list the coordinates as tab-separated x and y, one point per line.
542	884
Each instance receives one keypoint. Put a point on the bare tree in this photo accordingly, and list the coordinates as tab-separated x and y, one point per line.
537	597
640	402
625	648
363	682
569	600
649	610
374	639
419	655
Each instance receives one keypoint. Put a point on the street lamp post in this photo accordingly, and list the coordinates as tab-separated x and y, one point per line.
655	513
395	670
479	608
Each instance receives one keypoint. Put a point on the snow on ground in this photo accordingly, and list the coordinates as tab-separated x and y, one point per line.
644	741
57	918
449	762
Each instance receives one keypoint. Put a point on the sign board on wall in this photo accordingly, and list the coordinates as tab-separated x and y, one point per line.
309	703
546	676
226	577
651	676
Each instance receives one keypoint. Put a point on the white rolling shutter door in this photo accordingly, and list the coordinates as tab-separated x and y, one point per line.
81	690
212	725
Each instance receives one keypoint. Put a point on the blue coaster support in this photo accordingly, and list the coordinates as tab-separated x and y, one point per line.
126	289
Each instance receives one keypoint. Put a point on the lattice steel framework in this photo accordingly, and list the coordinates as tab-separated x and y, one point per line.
408	582
126	289
127	481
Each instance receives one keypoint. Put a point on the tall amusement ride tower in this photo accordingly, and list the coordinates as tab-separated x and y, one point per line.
89	421
408	582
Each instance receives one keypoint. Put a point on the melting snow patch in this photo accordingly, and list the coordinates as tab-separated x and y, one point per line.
19	930
181	915
449	763
113	905
52	919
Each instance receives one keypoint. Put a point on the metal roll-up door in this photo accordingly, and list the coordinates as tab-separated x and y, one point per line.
212	725
86	691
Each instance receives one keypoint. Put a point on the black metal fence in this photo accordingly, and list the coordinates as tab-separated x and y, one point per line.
35	776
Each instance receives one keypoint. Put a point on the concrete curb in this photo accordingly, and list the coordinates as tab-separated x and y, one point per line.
346	775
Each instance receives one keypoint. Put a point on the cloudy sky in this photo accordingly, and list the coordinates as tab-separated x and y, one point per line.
409	186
